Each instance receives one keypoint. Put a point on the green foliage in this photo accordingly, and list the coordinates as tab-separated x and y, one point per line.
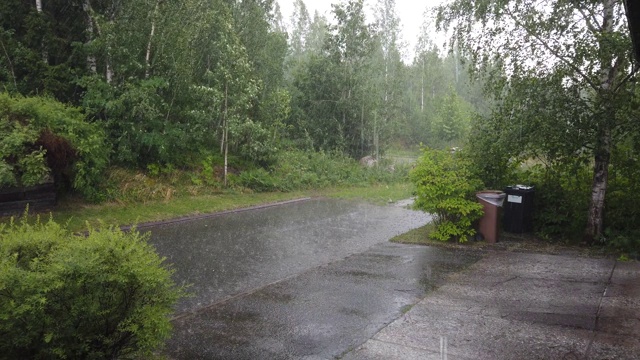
623	197
7	177
297	170
452	121
37	50
74	147
627	242
561	198
490	154
137	121
34	169
108	295
445	187
257	179
254	142
20	165
308	169
126	185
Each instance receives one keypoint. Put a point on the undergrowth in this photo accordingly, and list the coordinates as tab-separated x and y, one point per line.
292	171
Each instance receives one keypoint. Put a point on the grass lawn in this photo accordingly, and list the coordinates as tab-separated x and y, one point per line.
77	214
507	242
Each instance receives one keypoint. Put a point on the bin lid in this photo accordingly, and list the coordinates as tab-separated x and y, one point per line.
494	197
520	187
491	194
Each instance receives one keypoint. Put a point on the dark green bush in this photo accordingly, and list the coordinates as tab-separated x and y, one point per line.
104	296
561	198
445	187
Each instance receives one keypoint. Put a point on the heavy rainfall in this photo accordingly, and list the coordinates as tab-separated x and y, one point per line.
262	179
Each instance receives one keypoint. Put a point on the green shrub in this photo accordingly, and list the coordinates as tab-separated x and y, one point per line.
446	189
258	179
74	147
561	198
104	296
34	168
310	169
627	242
7	177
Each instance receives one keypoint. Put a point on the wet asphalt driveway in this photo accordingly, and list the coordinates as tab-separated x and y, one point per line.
311	279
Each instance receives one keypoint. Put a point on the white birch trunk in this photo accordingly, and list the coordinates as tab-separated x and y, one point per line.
375	137
45	53
422	89
147	58
91	59
602	151
226	132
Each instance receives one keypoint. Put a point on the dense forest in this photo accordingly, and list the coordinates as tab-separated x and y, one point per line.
169	79
536	92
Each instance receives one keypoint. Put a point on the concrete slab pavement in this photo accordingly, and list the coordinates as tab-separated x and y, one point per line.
521	306
320	313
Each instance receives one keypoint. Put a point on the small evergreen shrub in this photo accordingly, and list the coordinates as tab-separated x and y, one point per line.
446	189
104	296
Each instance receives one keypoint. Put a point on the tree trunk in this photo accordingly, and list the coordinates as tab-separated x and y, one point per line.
108	73
45	53
147	58
13	74
602	151
91	59
599	187
362	129
226	132
422	89
375	136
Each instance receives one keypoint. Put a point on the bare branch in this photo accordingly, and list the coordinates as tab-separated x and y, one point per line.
13	74
626	79
589	21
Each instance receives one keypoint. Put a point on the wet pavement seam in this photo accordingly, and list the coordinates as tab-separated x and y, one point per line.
595	327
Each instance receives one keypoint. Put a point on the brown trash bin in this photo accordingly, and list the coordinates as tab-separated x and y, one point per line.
489	224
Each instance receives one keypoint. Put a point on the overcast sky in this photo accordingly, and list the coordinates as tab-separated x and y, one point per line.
410	12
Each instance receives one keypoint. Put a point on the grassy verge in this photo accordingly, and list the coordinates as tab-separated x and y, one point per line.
508	242
376	194
418	236
77	214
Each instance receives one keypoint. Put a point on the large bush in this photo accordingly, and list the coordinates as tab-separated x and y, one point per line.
445	187
37	133
104	296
